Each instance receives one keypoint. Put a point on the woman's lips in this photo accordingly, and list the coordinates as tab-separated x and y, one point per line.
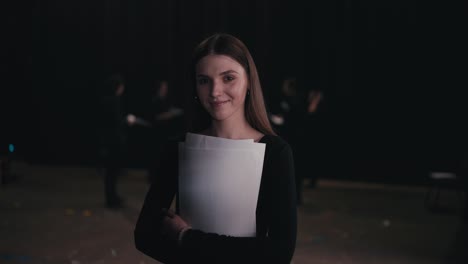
218	103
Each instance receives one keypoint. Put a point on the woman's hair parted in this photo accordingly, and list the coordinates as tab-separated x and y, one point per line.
228	45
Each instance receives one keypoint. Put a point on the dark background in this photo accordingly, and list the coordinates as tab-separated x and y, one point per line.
393	72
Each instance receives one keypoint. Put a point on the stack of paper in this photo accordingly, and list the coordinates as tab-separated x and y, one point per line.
219	181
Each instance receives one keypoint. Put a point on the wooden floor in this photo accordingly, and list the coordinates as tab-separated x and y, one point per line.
55	215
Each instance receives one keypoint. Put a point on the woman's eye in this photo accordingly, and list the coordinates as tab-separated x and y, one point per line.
228	78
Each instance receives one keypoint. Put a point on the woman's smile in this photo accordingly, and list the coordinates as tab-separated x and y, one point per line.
218	104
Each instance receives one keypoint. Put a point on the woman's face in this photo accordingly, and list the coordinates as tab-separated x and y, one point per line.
221	86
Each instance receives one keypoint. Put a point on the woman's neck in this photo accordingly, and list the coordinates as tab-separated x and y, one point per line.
240	129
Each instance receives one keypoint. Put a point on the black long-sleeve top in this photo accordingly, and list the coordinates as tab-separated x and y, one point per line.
276	217
112	122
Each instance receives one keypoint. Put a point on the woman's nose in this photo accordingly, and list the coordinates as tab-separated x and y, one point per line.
216	89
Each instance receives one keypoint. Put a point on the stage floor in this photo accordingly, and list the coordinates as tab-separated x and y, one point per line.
55	215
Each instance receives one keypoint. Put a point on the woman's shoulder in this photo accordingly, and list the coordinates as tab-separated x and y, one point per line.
274	143
278	155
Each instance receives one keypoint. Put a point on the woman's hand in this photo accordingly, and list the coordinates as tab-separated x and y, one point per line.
173	225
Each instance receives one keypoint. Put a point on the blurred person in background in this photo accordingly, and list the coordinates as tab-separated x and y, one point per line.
112	125
165	119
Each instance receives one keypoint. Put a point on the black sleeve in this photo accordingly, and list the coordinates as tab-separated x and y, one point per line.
147	234
279	243
277	246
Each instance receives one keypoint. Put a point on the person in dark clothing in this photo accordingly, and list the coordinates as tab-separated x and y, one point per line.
162	108
113	123
291	110
166	120
228	104
288	108
311	149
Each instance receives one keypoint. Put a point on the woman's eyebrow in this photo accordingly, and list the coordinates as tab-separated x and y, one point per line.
228	71
222	73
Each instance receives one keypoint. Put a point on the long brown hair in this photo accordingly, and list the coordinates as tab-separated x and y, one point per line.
255	110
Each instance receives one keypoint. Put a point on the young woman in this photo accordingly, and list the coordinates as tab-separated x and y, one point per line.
229	98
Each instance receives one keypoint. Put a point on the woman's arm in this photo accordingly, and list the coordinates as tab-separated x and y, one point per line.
148	236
